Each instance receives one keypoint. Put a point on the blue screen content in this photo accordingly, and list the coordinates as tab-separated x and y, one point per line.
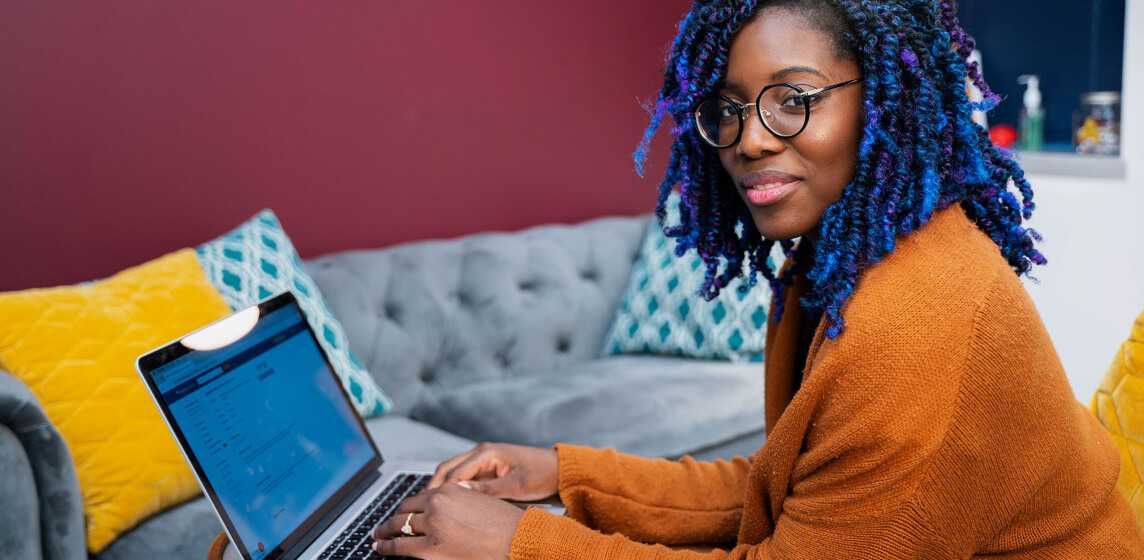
268	424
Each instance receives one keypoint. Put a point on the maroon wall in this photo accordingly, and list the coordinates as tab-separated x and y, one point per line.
132	128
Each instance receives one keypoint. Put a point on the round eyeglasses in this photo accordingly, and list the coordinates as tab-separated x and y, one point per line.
784	109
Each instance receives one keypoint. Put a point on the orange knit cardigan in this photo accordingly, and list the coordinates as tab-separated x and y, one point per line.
940	424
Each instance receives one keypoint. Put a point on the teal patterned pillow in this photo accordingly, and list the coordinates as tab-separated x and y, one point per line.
257	260
660	312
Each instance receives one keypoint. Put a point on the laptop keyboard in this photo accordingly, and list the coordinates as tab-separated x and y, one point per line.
355	542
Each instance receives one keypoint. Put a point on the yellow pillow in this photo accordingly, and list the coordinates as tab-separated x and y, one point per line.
1119	403
75	347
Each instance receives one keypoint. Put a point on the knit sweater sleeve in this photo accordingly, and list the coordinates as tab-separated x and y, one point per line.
857	496
543	535
861	482
653	500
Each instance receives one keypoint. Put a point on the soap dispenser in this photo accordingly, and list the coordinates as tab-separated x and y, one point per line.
1032	126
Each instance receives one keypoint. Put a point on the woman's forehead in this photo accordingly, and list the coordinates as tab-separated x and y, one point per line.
780	45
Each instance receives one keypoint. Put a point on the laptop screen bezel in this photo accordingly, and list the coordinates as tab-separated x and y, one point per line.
174	350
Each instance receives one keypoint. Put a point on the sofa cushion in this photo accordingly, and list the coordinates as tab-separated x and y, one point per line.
647	405
745	445
257	260
75	348
661	311
435	315
1119	404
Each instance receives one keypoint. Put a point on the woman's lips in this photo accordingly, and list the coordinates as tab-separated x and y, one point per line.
771	193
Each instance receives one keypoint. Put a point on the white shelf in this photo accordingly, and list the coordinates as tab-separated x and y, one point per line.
1072	165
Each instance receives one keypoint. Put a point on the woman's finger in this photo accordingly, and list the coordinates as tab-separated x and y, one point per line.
470	468
446	466
415	503
404	546
391	528
499	487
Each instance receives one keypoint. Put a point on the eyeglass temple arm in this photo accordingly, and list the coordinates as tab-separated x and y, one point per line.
810	93
827	88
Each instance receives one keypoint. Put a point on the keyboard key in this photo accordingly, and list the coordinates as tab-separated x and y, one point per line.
355	542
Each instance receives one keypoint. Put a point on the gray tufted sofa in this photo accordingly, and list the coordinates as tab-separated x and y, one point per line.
494	336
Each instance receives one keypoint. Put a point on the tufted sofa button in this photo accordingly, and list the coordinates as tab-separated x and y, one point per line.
426	375
563	344
527	285
392	311
502	359
590	275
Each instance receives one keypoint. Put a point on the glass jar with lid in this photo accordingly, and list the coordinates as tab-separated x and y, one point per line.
1096	124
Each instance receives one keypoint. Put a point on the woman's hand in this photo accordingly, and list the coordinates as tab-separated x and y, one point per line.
513	472
449	522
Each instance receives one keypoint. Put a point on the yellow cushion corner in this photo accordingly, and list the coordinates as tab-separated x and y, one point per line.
75	348
1119	404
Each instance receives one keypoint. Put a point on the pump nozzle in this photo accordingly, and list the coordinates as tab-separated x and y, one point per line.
1032	92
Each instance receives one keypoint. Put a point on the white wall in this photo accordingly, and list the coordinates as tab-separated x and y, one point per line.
1093	286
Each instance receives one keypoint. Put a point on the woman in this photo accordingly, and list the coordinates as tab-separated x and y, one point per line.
915	407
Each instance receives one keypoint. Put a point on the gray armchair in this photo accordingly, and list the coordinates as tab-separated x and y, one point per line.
489	337
42	512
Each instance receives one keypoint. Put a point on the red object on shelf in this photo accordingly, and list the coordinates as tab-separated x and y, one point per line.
1003	135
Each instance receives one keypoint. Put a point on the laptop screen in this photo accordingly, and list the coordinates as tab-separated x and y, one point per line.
268	425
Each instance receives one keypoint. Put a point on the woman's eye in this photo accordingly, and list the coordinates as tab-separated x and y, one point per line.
727	112
798	101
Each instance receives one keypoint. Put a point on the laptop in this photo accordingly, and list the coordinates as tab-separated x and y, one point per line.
273	438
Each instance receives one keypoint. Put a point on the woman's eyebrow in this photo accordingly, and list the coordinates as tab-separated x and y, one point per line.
796	70
731	86
736	87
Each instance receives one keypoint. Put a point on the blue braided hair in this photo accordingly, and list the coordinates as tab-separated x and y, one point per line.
919	153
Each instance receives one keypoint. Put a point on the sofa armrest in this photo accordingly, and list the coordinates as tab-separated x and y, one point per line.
42	513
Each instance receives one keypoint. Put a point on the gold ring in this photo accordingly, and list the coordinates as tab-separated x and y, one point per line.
407	529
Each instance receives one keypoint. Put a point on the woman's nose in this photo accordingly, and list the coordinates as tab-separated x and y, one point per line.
757	141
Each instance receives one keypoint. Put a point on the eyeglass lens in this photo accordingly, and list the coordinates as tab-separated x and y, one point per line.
782	108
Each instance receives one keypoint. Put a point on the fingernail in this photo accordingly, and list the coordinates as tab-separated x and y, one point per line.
375	548
465	484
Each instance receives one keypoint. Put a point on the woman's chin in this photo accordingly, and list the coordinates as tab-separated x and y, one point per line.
790	218
778	231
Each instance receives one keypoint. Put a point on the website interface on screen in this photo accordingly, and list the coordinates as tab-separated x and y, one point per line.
268	424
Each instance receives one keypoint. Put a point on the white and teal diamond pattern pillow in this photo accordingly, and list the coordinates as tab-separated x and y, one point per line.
660	312
257	260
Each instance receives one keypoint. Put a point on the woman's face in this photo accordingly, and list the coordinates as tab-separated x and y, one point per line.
799	177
